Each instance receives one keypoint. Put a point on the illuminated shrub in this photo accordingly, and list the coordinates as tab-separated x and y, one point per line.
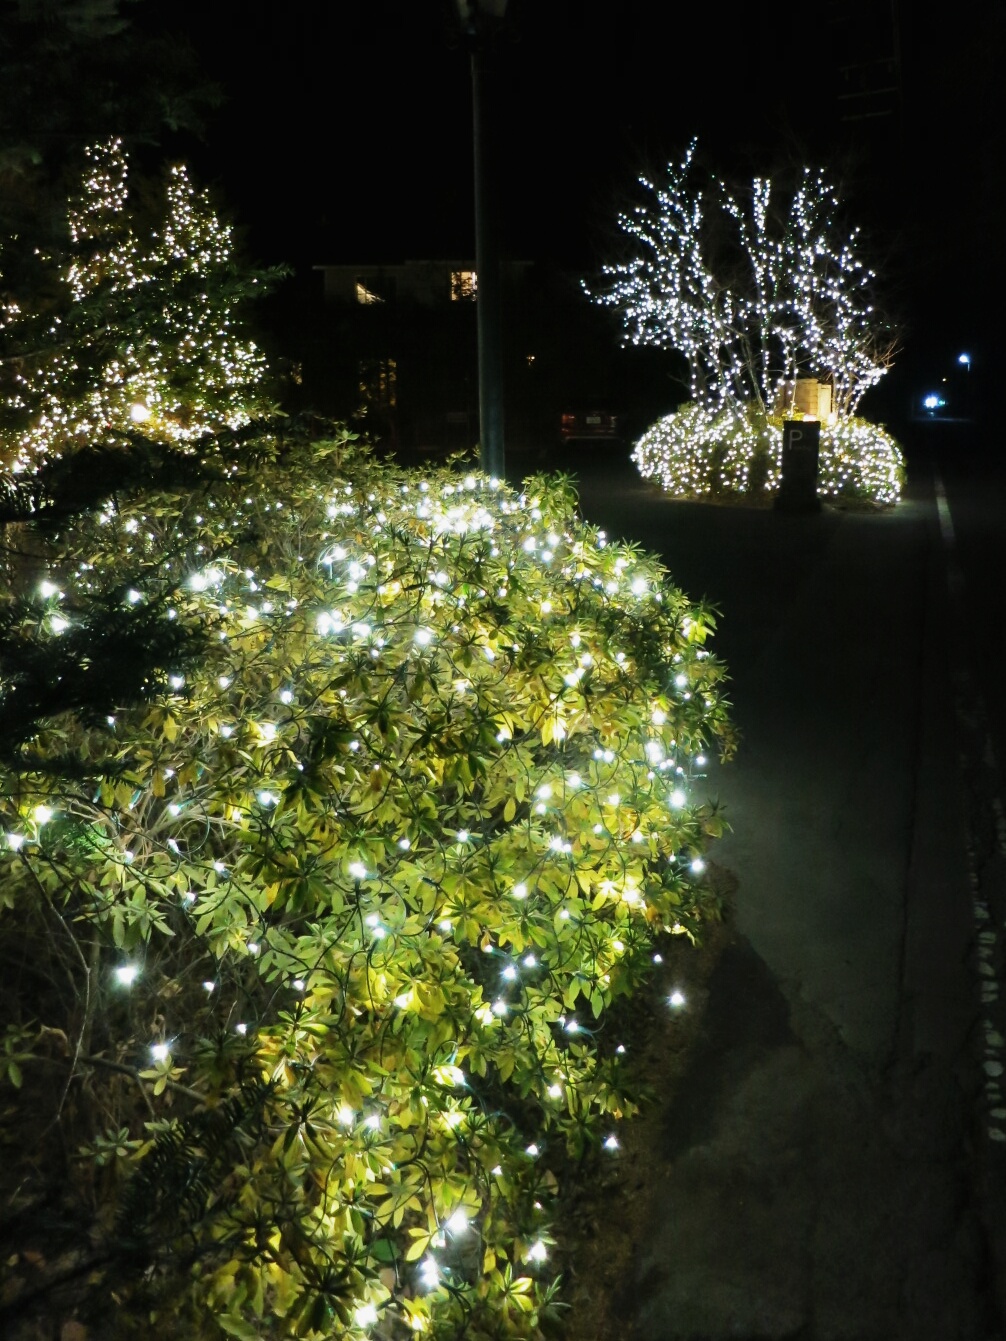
700	452
860	460
345	904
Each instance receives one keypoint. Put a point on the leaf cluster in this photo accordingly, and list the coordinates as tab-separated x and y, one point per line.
330	925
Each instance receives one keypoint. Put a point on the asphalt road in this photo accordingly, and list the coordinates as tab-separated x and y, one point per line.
832	1168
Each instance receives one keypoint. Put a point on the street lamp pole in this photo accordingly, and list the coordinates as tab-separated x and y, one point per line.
478	19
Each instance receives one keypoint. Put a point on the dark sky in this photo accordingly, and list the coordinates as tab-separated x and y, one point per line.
347	131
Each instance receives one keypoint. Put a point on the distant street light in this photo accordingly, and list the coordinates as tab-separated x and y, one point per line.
965	359
480	20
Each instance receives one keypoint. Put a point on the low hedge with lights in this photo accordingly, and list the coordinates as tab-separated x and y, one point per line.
736	451
318	944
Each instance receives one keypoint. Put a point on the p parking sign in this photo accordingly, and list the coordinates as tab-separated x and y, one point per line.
801	450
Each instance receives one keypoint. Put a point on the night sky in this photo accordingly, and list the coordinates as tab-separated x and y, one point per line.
346	134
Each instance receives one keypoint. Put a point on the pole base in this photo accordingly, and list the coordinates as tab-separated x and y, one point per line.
796	503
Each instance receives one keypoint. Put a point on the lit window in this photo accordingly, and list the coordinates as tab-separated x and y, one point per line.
464	286
365	295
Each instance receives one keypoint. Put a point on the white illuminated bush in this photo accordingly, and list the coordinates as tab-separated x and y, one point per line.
699	452
348	902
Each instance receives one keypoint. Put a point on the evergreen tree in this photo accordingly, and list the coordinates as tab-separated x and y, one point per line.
141	328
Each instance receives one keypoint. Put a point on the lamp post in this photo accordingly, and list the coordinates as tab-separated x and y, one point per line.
479	21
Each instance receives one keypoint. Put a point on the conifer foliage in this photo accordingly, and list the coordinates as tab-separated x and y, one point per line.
142	331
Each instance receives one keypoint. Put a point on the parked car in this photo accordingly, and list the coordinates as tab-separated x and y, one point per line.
589	426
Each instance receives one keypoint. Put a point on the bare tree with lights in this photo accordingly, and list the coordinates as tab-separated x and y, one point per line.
754	289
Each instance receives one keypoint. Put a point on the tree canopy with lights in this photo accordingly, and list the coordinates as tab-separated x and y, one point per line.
755	290
139	331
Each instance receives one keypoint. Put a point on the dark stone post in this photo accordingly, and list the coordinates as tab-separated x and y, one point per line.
801	447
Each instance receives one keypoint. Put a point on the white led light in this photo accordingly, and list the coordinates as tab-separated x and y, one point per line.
429	1273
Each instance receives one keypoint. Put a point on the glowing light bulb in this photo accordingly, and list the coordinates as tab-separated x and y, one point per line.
160	1052
458	1223
126	974
429	1273
676	999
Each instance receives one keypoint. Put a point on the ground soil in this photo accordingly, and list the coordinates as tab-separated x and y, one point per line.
602	1212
